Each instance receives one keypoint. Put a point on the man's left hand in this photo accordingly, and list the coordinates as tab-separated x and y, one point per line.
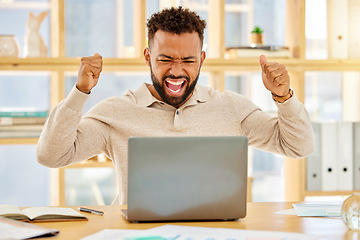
275	77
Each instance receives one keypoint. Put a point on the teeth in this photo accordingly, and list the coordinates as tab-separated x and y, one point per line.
175	91
175	82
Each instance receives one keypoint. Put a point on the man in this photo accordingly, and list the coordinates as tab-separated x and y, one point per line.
173	105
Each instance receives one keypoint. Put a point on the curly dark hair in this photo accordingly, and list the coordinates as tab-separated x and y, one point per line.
175	20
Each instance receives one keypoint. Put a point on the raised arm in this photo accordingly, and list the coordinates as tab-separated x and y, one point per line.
66	137
290	132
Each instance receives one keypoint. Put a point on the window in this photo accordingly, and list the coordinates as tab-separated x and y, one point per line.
24	181
316	29
324	95
265	168
24	90
99	26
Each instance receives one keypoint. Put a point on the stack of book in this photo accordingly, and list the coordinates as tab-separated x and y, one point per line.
18	123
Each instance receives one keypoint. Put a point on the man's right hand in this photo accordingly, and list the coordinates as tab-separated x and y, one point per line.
89	72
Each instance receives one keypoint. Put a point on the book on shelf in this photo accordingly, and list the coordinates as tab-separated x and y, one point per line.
22	120
20	131
40	214
255	52
22	113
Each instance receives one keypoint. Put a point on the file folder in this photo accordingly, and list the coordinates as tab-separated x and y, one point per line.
313	161
345	174
357	156
329	156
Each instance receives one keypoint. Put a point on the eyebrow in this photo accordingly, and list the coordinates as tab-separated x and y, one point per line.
185	58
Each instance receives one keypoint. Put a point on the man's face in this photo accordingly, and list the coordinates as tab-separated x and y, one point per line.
175	61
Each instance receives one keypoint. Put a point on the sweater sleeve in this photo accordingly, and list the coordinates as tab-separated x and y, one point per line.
289	133
67	137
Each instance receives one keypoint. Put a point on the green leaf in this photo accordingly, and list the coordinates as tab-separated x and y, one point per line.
257	29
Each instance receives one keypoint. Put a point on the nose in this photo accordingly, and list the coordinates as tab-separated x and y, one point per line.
176	68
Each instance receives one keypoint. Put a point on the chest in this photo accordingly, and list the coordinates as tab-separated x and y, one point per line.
196	120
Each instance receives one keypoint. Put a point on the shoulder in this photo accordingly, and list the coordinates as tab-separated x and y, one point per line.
129	96
226	100
232	97
241	105
107	109
210	93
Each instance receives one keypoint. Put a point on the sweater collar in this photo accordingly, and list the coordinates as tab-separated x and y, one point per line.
144	97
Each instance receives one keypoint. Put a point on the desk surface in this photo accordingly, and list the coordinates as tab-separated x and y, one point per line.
260	216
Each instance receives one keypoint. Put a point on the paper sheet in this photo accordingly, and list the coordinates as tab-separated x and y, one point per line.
174	232
318	210
11	229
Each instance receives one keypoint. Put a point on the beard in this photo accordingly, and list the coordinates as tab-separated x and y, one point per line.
173	101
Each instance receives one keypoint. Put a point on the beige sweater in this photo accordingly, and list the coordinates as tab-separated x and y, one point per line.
69	138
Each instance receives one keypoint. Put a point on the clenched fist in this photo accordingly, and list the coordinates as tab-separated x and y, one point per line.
89	72
275	77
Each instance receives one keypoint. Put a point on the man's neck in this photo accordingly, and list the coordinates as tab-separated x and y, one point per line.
154	92
157	96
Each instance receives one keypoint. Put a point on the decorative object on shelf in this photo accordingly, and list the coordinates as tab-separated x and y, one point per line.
34	43
350	212
9	46
256	37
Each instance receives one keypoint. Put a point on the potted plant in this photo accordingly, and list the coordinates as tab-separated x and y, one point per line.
256	37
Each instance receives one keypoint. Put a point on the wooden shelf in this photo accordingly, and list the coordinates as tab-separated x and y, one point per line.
67	64
133	64
91	164
18	141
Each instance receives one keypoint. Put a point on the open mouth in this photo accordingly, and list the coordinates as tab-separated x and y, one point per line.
175	87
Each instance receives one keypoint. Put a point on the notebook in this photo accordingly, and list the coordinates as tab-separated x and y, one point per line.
186	178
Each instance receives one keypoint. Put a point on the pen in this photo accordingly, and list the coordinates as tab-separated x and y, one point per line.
88	210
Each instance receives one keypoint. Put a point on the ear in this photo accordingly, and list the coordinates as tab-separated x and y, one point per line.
202	59
31	15
147	56
42	16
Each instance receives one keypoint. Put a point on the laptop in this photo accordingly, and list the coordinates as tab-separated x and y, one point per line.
186	178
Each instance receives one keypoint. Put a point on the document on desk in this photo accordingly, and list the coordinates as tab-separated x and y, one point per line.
174	232
318	210
12	229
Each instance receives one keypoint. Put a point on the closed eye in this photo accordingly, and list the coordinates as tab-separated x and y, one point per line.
165	60
189	60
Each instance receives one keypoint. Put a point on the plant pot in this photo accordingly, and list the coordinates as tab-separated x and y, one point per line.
9	46
256	40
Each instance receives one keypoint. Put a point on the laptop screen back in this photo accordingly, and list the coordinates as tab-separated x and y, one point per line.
187	178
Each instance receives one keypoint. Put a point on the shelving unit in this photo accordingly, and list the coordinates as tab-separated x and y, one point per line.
216	65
